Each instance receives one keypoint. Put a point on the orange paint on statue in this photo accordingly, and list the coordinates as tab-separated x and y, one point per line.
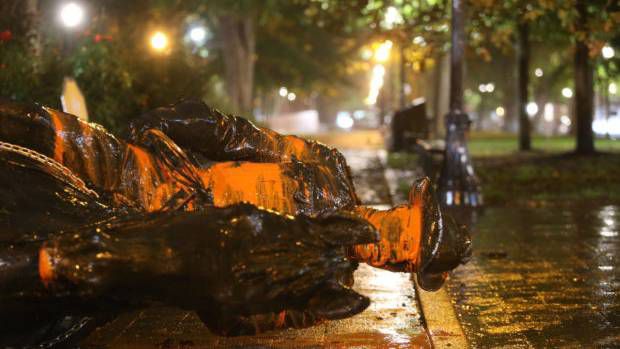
400	229
261	184
59	142
46	271
266	185
296	146
152	194
89	155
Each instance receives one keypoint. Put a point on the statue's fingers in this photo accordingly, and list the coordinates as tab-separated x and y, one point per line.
337	302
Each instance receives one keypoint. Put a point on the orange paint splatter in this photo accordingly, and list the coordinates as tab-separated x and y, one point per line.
46	270
281	318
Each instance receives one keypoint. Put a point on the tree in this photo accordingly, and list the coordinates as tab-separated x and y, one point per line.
506	25
525	139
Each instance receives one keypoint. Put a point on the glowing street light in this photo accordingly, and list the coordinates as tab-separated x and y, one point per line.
382	54
376	82
71	14
608	52
198	35
283	92
291	96
159	41
567	92
531	108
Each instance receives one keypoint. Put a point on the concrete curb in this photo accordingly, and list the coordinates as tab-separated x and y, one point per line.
442	324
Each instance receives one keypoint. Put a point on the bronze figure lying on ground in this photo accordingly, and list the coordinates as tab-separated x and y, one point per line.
251	229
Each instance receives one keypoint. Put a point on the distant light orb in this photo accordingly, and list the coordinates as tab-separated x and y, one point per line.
490	87
567	92
198	35
482	88
531	108
366	53
344	120
500	111
392	17
548	112
159	41
283	91
71	14
418	40
608	52
564	119
538	72
613	88
291	96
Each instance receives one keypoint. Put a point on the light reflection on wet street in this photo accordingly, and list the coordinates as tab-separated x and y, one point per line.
542	277
391	321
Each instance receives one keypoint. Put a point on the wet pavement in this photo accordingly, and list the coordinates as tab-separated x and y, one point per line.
393	319
542	278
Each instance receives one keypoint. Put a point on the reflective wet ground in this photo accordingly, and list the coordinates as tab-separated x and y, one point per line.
391	321
542	278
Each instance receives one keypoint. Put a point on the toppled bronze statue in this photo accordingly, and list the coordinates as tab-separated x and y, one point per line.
251	229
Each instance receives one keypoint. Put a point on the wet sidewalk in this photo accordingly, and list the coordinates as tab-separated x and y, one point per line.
542	278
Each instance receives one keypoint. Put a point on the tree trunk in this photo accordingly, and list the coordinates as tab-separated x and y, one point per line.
456	56
525	142
403	78
511	100
239	49
584	86
31	11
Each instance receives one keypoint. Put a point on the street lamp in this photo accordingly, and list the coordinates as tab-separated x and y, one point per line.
567	92
608	52
71	14
159	41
